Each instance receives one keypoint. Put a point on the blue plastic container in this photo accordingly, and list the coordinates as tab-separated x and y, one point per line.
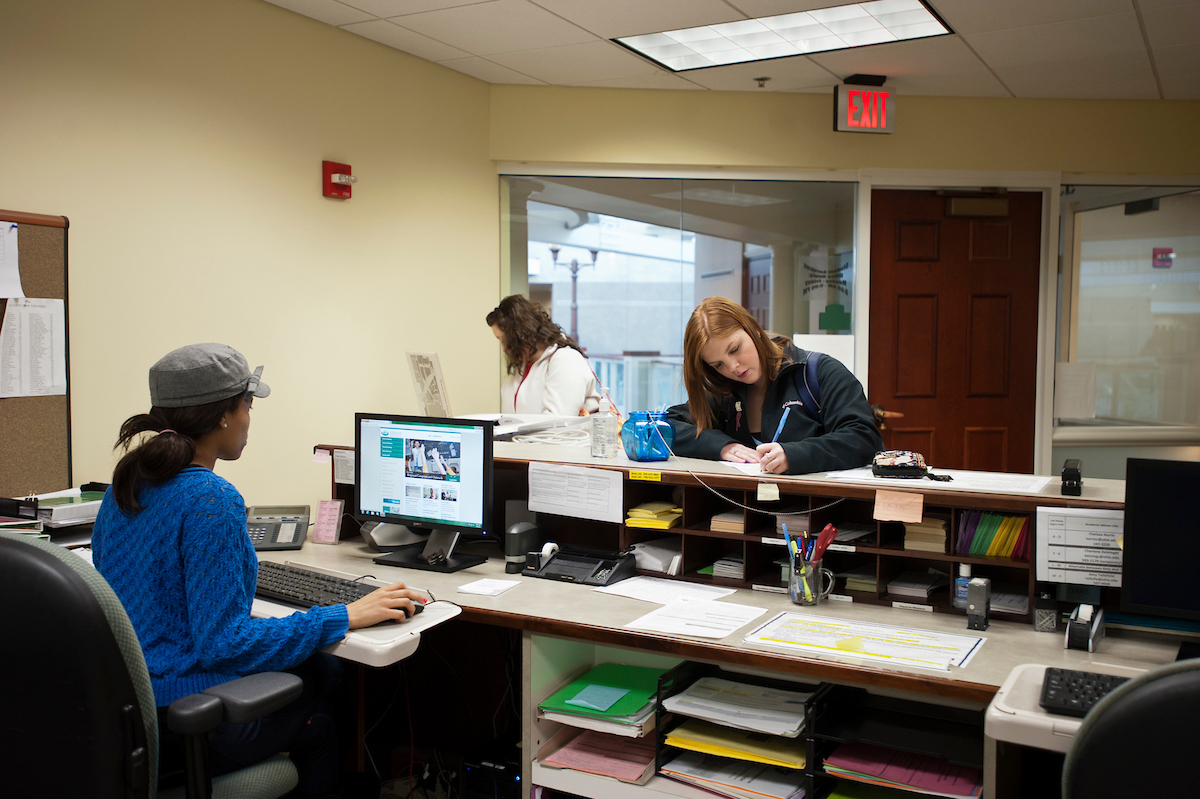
647	436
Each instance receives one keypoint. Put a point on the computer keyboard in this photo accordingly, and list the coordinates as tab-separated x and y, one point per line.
1071	692
302	588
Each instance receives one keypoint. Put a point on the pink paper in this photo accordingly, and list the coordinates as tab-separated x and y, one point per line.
906	768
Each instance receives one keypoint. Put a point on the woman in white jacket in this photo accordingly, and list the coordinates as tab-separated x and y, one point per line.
547	372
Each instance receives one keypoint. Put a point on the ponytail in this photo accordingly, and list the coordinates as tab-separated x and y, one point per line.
160	457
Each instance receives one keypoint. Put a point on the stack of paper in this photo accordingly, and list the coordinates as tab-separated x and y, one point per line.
13	524
859	579
714	739
733	521
796	520
771	711
853	531
655	515
730	566
917	584
1009	598
660	555
626	759
928	535
736	778
611	697
922	774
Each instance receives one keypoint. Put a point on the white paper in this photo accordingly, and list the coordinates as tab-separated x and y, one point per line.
343	466
576	491
880	643
1075	390
488	587
745	468
10	262
747	707
33	348
662	592
1080	546
700	618
970	481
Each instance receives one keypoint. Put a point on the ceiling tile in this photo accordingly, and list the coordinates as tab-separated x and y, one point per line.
1174	25
1059	41
395	8
974	16
1179	71
384	32
489	72
632	17
330	12
1128	75
786	75
499	26
575	63
916	57
972	83
1144	5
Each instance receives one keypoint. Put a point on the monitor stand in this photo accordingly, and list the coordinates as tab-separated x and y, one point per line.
437	556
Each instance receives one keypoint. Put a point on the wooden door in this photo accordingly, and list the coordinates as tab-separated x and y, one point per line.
954	317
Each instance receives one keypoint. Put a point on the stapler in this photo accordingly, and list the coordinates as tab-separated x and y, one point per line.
1085	628
1072	477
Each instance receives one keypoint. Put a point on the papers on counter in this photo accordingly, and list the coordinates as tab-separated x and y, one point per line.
880	643
660	591
700	618
772	711
971	481
488	587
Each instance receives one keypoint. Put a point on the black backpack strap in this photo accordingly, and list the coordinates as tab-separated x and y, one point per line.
809	388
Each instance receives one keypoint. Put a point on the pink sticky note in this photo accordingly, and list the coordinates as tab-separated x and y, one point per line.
898	506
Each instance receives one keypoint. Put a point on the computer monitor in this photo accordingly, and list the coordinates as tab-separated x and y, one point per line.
1162	539
430	475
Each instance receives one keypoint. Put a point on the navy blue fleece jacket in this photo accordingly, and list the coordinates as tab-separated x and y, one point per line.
848	439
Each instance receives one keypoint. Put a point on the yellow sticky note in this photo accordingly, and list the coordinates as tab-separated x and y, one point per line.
768	492
653	477
853	644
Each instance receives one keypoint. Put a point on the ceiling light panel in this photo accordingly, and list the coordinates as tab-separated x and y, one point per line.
820	30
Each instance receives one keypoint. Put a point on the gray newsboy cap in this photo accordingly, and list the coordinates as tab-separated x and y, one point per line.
201	373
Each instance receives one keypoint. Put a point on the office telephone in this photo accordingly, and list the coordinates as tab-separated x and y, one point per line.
582	565
277	526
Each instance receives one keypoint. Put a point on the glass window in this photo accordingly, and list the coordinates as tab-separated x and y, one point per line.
1136	297
621	262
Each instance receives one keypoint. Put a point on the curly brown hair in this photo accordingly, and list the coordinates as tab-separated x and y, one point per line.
717	317
527	330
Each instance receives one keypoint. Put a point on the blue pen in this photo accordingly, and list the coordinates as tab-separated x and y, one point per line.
782	422
787	540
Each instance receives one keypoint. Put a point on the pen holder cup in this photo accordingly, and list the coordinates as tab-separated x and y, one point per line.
647	436
809	584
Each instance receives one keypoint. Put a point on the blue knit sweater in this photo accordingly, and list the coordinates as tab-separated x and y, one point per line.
185	571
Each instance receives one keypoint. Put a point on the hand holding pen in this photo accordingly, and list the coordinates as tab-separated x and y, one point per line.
771	456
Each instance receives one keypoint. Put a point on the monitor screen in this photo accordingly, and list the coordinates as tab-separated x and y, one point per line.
422	472
1162	539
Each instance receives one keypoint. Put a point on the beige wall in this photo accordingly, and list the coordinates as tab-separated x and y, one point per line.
795	131
184	142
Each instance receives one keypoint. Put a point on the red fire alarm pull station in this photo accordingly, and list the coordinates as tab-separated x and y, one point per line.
336	180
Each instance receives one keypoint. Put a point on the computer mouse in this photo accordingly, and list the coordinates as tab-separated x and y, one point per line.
417	608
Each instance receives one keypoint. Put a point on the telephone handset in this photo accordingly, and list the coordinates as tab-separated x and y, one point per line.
277	526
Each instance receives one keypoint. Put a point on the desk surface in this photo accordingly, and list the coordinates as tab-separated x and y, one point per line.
573	611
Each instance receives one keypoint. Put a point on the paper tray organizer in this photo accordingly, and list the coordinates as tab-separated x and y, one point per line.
381	645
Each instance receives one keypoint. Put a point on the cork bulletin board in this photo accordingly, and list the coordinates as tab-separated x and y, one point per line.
35	432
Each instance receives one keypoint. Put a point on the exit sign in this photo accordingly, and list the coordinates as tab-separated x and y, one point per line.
864	109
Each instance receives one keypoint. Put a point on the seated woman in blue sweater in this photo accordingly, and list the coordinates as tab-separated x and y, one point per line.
171	539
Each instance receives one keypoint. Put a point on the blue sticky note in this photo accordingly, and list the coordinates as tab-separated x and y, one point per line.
598	697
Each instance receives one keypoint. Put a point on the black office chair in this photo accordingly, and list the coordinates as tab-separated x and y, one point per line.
77	714
1140	740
